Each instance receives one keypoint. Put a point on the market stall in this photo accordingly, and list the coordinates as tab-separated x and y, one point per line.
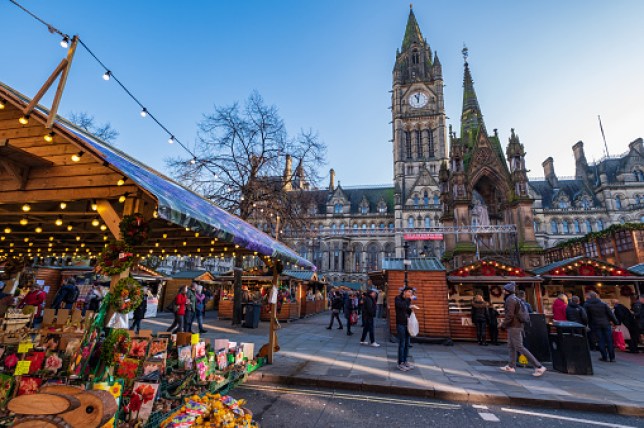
185	278
486	277
155	284
579	275
310	292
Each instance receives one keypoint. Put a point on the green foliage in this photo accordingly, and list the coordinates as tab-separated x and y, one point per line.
592	236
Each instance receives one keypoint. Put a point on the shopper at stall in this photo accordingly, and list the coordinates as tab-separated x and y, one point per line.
515	316
368	315
350	306
139	312
559	308
627	319
190	308
599	318
521	296
493	324
94	298
480	318
179	309
403	311
380	305
200	307
36	299
575	312
67	294
638	312
336	305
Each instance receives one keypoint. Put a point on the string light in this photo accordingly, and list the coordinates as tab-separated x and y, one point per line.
144	112
94	205
65	42
49	137
7	230
103	227
121	181
26	208
24	221
106	75
76	157
63	205
24	119
171	139
193	160
69	227
95	222
59	221
39	228
3	103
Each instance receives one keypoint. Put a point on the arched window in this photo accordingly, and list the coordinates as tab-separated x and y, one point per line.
565	228
337	208
618	202
372	257
428	222
415	57
364	226
553	226
410	223
600	225
408	144
576	226
425	198
382	226
622	220
585	204
342	227
416	201
430	140
637	199
437	200
364	209
373	226
589	227
537	226
334	226
355	226
419	145
391	226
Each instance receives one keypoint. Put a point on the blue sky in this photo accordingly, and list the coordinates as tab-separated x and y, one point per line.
545	68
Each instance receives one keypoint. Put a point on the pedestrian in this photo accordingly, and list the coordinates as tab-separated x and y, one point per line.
368	314
139	312
521	296
68	294
638	312
94	298
336	305
35	298
599	318
380	304
575	312
480	318
493	324
626	318
403	311
179	309
514	318
559	308
190	308
350	306
200	307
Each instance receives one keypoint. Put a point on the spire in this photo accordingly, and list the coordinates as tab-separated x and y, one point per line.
412	32
471	118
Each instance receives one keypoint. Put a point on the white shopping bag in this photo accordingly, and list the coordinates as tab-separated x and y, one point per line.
412	325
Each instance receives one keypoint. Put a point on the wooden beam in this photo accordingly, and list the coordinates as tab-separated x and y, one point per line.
18	173
70	194
45	87
110	217
61	83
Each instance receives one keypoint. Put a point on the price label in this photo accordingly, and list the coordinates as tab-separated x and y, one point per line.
24	347
22	368
194	339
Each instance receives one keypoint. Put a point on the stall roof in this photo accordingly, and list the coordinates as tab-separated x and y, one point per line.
175	203
190	274
303	275
574	261
637	269
351	285
417	263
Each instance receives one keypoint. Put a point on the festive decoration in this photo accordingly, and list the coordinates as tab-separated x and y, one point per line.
587	270
127	295
496	291
134	229
115	258
117	343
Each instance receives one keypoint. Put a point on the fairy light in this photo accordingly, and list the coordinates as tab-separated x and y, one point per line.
26	208
59	221
49	137
24	119
76	157
63	205
24	221
64	43
106	75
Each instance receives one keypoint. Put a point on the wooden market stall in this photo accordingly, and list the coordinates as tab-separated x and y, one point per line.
486	277
181	279
427	276
580	275
310	291
155	283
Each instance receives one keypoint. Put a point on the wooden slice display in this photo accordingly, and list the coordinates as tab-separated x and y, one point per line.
44	421
96	408
43	404
61	389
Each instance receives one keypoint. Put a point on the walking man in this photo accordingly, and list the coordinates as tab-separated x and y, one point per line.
516	315
336	305
350	306
403	311
368	314
599	318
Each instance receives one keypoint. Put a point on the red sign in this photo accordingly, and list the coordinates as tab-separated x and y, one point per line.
423	236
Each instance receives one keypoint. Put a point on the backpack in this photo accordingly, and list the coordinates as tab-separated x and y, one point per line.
522	313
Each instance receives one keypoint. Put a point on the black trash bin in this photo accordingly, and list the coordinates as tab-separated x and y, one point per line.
536	337
251	319
569	349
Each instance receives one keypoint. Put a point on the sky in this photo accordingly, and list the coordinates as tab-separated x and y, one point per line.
545	68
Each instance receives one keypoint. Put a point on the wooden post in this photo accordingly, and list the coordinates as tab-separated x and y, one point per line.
61	83
272	334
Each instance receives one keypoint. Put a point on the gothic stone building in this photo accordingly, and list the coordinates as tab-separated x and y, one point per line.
445	182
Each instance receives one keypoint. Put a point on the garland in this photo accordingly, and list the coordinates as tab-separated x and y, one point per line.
127	295
601	234
115	258
134	229
117	342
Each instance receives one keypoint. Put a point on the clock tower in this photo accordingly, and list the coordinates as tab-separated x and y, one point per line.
419	135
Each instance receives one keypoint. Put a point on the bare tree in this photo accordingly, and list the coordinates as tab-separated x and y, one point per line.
87	122
246	162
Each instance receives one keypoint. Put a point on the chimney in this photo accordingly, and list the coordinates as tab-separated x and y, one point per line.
581	165
331	180
549	172
288	173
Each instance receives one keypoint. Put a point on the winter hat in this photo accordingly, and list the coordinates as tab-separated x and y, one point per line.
510	286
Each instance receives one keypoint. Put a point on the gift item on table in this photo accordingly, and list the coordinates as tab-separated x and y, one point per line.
220	344
222	360
248	349
239	355
185	353
142	399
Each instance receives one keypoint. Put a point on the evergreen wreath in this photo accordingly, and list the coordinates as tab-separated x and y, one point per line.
126	296
135	230
115	258
118	341
496	291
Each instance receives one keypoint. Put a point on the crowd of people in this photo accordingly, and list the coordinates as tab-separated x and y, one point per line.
188	305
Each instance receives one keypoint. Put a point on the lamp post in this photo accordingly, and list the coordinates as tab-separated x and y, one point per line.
406	260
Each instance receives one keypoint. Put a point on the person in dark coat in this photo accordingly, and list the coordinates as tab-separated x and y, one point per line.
493	325
349	308
336	305
479	318
368	314
67	294
403	308
599	319
139	313
575	312
625	317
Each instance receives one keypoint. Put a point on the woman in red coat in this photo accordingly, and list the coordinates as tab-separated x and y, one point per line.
179	307
36	298
559	308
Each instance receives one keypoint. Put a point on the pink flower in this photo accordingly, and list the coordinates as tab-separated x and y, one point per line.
53	363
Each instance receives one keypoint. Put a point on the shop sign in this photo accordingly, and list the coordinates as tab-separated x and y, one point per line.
423	236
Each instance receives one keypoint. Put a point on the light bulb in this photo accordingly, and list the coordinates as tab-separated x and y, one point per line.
24	119
7	230
63	205
121	181
49	137
193	160
78	238
39	229
94	206
24	221
171	139
69	227
59	221
3	103
196	234
65	42
104	237
51	238
144	112
95	222
122	198
76	157
26	239
165	235
103	227
106	75
26	208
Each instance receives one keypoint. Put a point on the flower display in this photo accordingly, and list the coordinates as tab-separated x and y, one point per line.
53	363
10	361
138	348
127	295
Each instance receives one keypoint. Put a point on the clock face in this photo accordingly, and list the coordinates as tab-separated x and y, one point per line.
418	100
